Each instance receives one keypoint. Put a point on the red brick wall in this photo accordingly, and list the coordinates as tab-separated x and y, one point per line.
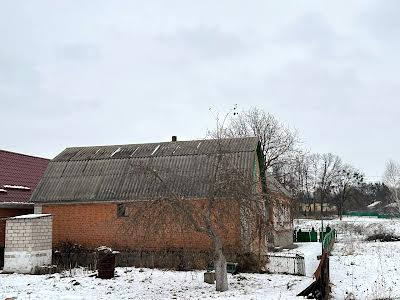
93	225
280	206
9	212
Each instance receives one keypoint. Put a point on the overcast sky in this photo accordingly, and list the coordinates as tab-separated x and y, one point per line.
116	72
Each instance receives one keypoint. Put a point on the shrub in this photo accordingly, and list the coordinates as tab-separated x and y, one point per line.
383	237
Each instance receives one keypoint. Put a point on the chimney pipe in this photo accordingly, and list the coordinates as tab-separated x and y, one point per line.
174	139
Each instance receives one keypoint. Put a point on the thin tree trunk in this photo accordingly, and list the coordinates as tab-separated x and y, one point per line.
221	276
342	198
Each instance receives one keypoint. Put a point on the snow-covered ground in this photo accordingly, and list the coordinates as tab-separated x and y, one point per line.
353	226
310	251
368	270
131	283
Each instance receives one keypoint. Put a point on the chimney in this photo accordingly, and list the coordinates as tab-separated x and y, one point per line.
174	138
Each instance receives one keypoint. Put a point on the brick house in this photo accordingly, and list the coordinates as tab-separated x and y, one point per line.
280	214
89	191
19	176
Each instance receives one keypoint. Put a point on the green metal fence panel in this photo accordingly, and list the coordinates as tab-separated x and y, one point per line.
362	214
314	236
306	236
303	236
371	214
329	240
387	216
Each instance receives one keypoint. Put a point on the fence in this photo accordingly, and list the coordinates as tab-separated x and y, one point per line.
329	240
320	288
371	214
286	264
303	236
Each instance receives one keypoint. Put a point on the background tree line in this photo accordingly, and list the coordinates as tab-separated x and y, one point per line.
312	178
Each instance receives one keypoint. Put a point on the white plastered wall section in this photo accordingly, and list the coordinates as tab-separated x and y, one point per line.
37	209
28	243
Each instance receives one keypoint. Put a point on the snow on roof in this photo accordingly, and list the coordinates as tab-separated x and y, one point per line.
155	150
115	152
16	187
374	204
31	216
16	203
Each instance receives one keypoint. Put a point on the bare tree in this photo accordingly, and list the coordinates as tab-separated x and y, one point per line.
391	178
319	173
347	179
229	187
294	177
278	142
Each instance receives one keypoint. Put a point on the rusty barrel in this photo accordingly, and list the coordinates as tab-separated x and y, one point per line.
105	263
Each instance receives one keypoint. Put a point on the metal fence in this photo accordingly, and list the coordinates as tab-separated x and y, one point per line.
286	264
329	240
303	236
371	214
320	288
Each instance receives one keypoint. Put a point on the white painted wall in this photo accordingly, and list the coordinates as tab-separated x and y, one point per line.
26	261
28	243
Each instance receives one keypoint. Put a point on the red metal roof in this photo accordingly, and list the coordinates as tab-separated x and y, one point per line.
20	170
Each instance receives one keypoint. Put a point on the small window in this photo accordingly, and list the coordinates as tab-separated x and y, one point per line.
121	210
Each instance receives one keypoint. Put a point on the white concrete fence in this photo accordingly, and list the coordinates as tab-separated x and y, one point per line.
286	264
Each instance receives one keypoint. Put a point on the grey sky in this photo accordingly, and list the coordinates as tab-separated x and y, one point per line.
113	72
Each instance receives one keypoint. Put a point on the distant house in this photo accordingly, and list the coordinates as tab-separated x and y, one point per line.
314	208
19	176
90	191
375	205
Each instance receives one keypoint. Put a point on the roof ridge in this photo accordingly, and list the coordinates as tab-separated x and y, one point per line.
163	142
146	156
23	154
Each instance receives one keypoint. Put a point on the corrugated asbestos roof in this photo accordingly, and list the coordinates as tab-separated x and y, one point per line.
274	186
121	172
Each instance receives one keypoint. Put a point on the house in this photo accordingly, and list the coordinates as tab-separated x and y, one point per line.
280	214
92	191
314	208
19	176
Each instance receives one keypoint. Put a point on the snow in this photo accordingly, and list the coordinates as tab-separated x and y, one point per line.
368	270
115	152
16	204
374	204
3	191
309	251
134	283
31	216
155	150
350	225
16	187
134	151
